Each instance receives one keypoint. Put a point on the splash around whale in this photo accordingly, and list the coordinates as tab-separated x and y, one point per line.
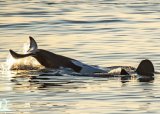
55	61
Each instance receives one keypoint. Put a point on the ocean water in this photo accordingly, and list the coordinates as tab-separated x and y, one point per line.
97	32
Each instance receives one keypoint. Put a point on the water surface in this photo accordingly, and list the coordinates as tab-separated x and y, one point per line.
99	32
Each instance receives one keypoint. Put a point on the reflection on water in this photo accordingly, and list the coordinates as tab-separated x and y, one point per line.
25	91
100	32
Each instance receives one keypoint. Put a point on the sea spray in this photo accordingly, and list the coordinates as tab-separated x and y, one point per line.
28	63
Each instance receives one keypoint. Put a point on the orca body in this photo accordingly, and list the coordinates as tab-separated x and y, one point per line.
55	61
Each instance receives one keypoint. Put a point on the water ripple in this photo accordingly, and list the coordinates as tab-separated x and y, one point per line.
101	32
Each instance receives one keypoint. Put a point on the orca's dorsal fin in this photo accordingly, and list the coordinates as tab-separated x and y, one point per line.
145	68
33	45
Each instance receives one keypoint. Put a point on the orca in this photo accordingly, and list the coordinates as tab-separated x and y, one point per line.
55	61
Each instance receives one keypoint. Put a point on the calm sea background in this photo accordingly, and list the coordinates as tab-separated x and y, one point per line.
98	32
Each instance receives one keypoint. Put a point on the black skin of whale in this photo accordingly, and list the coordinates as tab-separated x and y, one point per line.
49	59
52	60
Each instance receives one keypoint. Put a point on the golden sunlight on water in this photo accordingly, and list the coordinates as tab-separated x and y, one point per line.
100	32
28	63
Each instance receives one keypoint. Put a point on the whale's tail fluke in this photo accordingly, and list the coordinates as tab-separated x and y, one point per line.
33	45
18	56
32	49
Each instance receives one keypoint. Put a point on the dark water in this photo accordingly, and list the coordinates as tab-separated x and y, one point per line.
99	32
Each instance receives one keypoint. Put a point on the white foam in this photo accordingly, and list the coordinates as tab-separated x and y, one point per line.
28	63
115	71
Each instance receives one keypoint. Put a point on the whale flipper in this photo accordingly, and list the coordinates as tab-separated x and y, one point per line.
124	72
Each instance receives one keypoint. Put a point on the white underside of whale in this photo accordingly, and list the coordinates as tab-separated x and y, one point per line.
88	69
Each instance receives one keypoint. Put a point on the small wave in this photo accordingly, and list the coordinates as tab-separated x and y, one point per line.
96	21
23	13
